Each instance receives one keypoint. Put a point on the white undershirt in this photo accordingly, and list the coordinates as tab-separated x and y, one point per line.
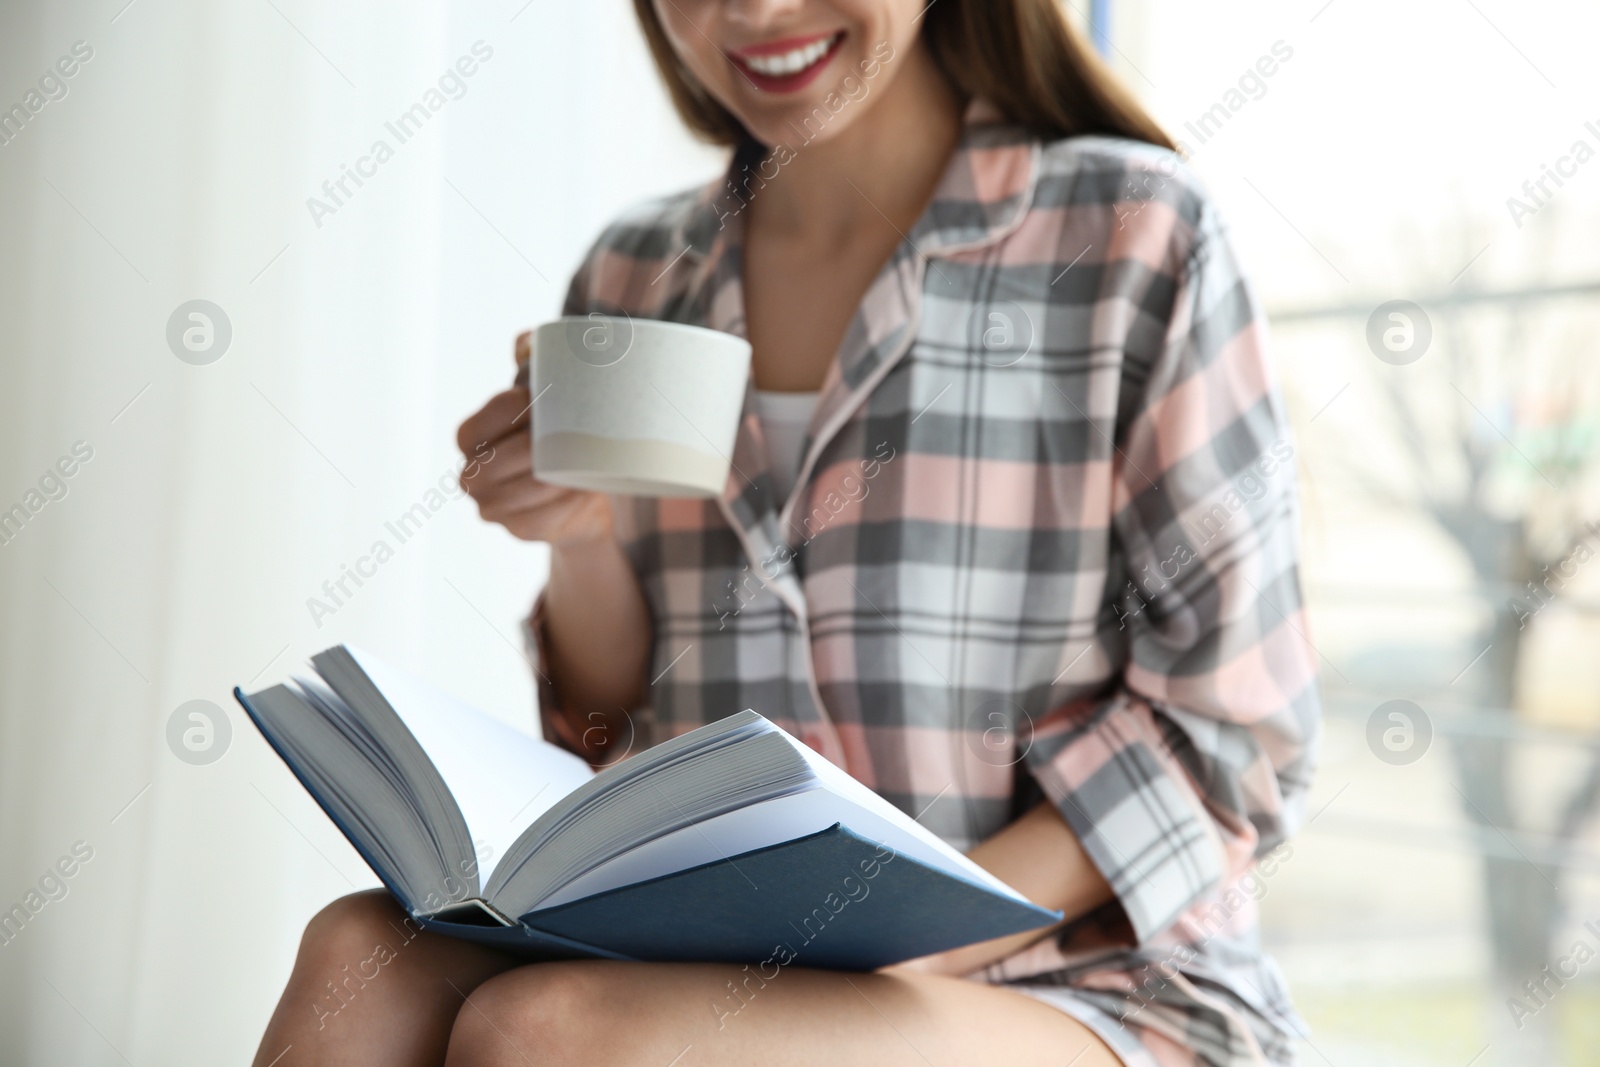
784	419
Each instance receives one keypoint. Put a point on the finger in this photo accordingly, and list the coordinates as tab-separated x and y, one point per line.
512	461
511	467
488	454
504	414
549	507
548	523
515	482
491	483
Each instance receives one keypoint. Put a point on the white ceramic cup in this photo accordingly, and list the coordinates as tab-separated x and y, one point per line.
636	406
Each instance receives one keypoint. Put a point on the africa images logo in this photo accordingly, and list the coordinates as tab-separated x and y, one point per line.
451	85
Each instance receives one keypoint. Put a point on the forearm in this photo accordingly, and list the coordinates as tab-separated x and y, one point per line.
595	626
597	631
1040	857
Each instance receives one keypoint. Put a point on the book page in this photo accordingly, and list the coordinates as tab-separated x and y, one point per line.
773	822
501	778
883	822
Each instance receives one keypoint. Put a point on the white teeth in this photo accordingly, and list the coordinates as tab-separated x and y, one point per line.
792	62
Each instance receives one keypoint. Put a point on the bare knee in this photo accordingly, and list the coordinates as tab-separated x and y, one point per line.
352	926
546	1013
370	985
346	944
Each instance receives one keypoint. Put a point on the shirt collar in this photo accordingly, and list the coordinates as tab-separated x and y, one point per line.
984	193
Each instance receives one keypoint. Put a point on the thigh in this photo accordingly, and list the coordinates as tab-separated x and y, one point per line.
708	1015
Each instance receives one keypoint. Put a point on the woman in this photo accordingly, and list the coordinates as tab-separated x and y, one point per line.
1010	536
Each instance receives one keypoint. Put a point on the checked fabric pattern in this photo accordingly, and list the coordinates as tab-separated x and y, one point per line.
1043	545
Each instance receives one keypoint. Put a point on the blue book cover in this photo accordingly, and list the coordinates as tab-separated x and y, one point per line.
833	898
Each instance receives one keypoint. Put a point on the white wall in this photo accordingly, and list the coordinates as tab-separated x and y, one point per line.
180	561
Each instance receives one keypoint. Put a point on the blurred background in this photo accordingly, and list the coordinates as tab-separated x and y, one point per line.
1416	188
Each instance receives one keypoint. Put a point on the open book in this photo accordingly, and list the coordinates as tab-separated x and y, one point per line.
730	842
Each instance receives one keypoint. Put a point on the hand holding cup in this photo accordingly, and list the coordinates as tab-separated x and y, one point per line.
498	444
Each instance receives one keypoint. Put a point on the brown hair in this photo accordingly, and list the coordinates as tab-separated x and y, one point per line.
1023	56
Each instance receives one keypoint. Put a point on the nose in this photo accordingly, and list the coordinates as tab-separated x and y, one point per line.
758	14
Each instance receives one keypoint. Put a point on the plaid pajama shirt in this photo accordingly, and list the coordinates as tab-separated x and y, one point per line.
1043	545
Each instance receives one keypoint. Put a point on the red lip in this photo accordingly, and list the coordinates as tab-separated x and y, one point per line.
788	44
785	83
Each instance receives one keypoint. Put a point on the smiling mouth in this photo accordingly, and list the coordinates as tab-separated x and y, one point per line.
788	65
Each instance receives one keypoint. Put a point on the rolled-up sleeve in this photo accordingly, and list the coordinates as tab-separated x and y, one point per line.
553	717
1200	759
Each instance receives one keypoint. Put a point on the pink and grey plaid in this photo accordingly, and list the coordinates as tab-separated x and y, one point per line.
1043	545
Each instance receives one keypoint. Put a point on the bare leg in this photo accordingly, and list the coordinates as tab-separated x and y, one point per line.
684	1015
370	987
